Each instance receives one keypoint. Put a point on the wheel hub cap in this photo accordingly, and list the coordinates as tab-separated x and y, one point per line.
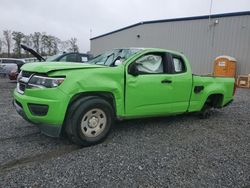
93	122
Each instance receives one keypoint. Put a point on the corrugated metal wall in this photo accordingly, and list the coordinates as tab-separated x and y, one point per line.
199	42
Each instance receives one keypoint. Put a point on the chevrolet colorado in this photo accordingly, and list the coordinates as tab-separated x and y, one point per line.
83	100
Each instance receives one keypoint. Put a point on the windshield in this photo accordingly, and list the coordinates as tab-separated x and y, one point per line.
108	58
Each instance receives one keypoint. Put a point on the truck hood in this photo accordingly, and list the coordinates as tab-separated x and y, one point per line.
46	67
33	52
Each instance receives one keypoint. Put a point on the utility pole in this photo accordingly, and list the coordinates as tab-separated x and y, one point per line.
210	12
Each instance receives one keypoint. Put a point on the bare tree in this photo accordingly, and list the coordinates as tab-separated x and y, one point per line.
1	45
73	45
27	40
43	46
7	40
50	43
17	37
36	39
41	42
56	42
64	46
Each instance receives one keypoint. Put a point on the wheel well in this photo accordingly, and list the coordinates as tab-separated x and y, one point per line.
109	97
215	100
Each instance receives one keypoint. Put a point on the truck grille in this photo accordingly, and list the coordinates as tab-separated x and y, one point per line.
26	74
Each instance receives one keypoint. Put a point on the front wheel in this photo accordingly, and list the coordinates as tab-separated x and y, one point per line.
90	121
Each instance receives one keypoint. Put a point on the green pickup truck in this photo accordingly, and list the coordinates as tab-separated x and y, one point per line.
82	101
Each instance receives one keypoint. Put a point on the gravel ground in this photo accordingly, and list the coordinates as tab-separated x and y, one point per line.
180	151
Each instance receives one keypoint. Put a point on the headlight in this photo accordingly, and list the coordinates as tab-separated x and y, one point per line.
44	82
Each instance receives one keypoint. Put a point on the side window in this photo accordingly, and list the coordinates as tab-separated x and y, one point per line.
150	64
6	61
78	58
178	65
63	58
68	58
71	58
9	61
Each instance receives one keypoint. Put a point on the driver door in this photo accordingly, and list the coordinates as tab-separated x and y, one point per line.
149	92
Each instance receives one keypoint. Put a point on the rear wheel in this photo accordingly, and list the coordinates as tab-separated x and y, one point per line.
205	112
89	121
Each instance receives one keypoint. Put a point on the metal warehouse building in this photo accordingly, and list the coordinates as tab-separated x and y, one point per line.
201	38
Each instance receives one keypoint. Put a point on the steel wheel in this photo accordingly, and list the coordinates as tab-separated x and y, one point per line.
89	121
93	122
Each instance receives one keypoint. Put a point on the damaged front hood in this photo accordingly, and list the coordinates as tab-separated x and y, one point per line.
33	52
46	67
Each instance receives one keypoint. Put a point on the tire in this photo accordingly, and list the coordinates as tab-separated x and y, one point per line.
205	112
89	121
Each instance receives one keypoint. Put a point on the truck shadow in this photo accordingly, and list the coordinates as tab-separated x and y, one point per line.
40	157
161	122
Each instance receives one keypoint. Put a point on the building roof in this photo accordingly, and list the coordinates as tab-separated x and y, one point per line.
175	20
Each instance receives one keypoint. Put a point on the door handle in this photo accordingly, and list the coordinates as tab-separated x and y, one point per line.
166	81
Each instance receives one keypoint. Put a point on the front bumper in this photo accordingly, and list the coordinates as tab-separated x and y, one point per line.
49	130
50	123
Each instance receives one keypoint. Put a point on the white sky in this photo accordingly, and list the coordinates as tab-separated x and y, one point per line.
75	18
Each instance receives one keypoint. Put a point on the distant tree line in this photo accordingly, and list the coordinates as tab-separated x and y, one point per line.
43	43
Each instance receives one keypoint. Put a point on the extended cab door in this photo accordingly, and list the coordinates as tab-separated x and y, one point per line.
157	84
182	81
148	90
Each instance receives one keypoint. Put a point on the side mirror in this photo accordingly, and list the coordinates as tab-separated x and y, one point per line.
133	70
